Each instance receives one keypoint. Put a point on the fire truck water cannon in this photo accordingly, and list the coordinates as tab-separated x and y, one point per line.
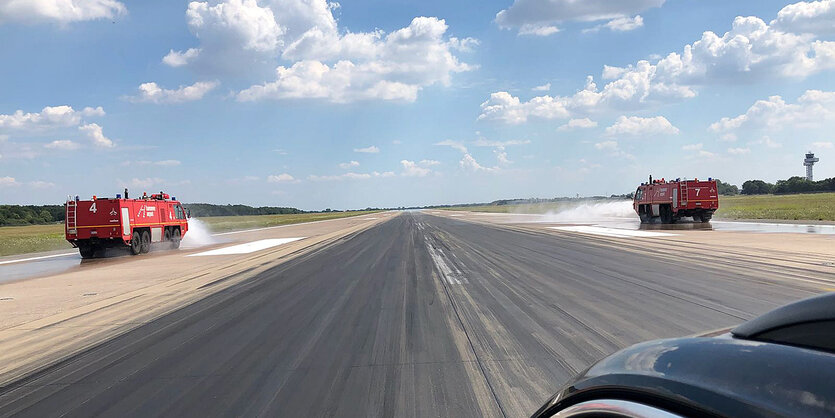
94	225
672	200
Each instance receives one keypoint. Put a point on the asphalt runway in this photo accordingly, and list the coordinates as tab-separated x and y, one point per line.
417	316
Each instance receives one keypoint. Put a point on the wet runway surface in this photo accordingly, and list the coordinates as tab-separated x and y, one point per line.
52	264
417	316
685	224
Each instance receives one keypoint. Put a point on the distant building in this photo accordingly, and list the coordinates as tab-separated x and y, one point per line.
809	162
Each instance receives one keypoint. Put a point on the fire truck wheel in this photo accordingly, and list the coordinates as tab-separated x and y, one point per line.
146	242
136	243
86	251
697	218
167	237
666	215
175	242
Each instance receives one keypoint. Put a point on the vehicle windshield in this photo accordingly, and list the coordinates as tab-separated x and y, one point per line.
421	208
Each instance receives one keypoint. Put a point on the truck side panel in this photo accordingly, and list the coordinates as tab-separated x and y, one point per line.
155	215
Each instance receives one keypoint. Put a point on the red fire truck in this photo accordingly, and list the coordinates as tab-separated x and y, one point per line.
672	200
99	223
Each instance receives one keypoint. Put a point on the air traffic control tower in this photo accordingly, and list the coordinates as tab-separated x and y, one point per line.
809	162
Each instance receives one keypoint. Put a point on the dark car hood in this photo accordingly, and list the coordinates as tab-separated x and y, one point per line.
722	376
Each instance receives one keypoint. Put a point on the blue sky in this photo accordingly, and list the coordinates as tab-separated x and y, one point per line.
386	103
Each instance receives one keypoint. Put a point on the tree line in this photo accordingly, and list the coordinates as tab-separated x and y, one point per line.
202	210
11	215
19	215
791	185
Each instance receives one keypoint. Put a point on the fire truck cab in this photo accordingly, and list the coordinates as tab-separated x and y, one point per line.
100	223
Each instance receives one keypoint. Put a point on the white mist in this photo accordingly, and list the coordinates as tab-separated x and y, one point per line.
198	234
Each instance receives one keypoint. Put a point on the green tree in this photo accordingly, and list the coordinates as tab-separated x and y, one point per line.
726	189
757	187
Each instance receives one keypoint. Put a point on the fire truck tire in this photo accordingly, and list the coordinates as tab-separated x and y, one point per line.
167	237
666	214
87	251
175	241
146	242
698	218
645	218
706	217
136	243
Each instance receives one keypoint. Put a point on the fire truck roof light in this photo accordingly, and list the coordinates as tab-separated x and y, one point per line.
118	196
94	197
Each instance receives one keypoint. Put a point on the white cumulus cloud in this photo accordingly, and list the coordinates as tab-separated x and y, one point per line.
502	106
59	11
544	87
153	93
94	132
49	117
538	30
812	109
583	123
815	17
179	58
469	163
318	59
530	16
637	126
413	169
751	51
281	178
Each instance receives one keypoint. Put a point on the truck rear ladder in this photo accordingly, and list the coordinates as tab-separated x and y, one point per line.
71	215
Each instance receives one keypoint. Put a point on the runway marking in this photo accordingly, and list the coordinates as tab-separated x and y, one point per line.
37	258
611	232
450	276
249	247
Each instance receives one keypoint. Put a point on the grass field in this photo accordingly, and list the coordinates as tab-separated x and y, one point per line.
809	207
795	207
37	238
32	238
